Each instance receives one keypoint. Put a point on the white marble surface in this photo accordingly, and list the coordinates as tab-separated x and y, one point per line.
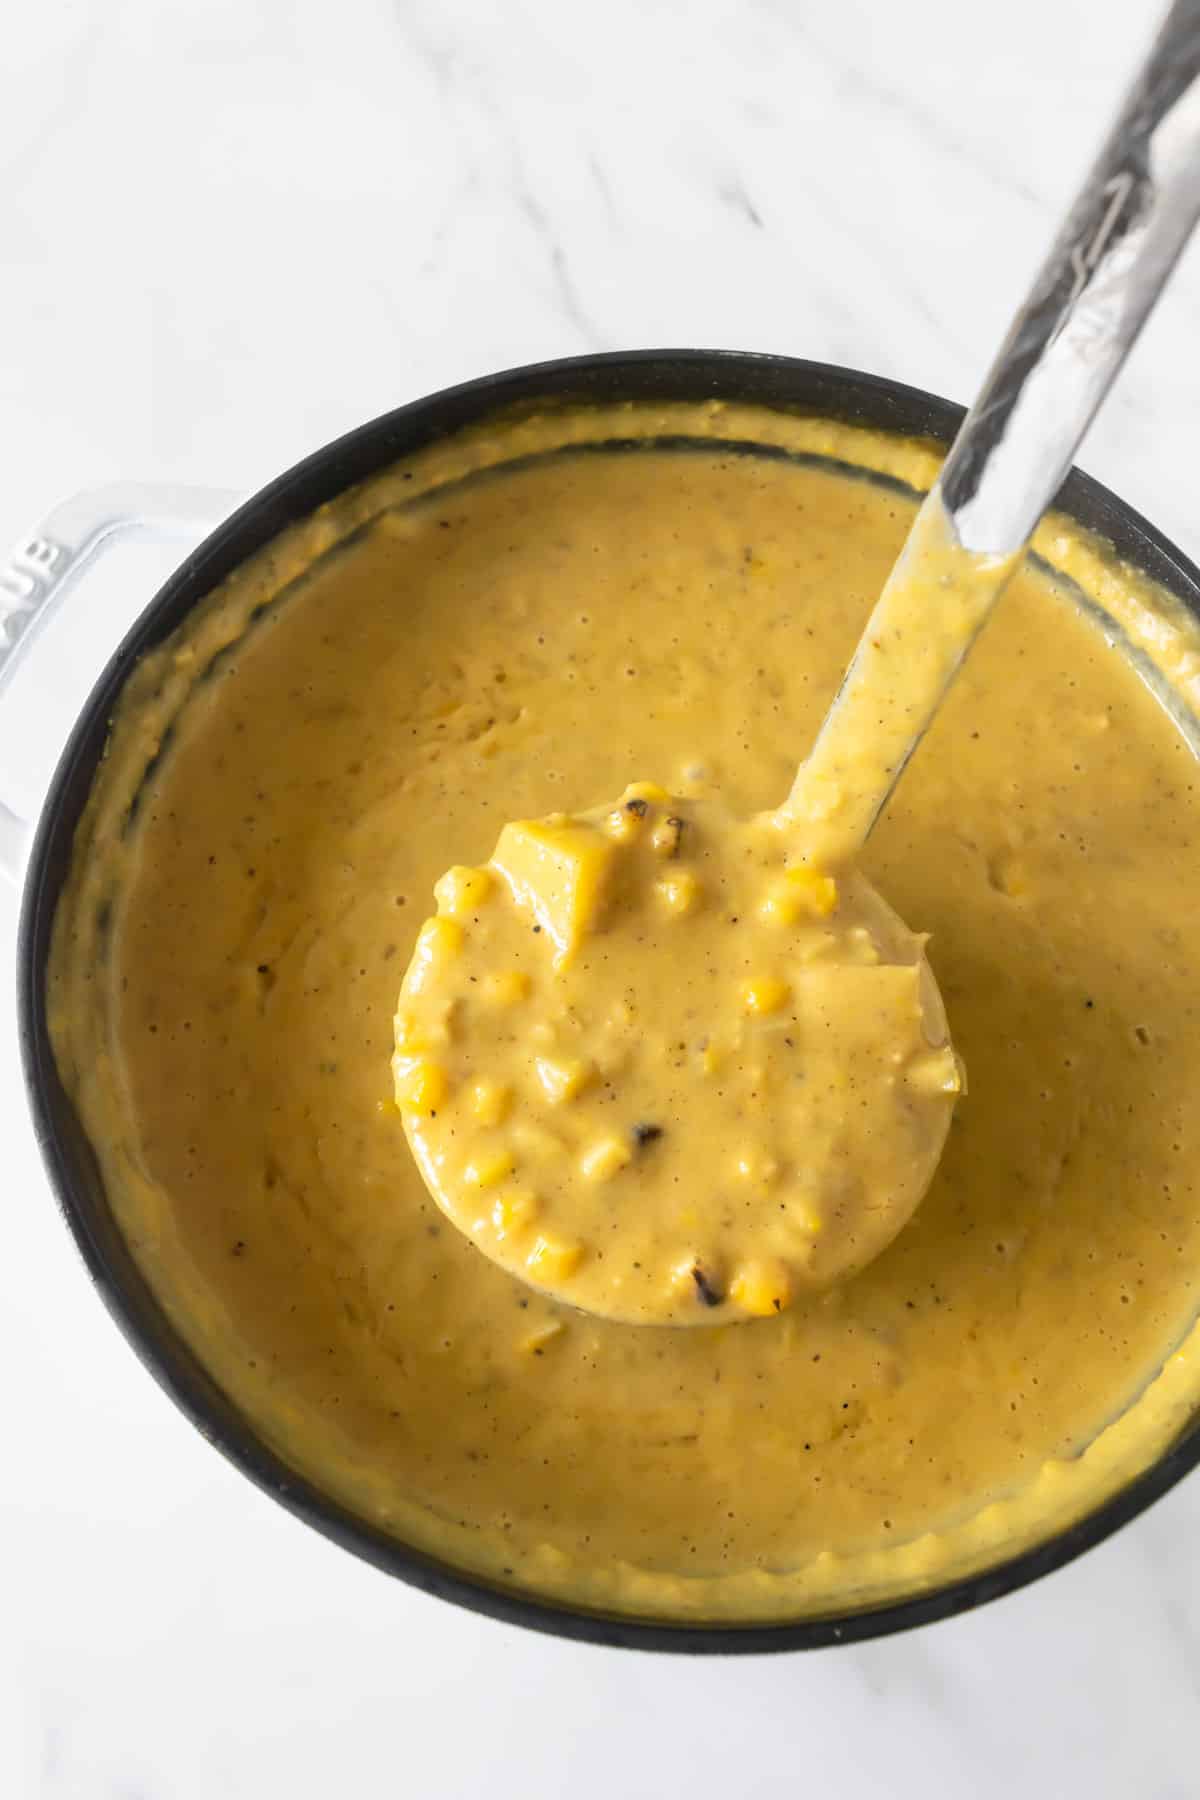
232	229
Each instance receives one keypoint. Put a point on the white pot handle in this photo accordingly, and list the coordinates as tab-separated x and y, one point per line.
48	563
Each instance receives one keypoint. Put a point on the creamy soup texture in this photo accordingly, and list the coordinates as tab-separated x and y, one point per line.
459	643
659	1069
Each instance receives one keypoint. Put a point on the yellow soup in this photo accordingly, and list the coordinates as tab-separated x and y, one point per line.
448	648
653	1070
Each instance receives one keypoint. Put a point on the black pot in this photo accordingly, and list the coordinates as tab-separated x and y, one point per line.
687	375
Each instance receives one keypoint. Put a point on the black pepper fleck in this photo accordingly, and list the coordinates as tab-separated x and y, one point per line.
710	1295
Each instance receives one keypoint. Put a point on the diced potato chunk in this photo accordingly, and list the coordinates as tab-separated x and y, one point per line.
561	871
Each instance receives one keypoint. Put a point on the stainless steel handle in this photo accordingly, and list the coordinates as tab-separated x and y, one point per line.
1091	298
47	565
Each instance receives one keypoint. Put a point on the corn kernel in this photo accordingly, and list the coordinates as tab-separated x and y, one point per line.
667	837
700	1278
1008	873
535	1143
490	1101
440	937
506	987
765	994
622	824
489	1169
799	894
757	1166
562	1081
605	1158
407	1031
680	893
541	1335
514	1211
761	1288
421	1085
648	791
461	890
438	940
553	1259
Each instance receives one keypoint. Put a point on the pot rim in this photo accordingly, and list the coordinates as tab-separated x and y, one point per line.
783	383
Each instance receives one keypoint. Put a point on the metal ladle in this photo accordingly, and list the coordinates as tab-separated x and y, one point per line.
1108	266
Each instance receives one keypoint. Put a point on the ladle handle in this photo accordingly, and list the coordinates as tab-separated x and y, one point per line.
1092	296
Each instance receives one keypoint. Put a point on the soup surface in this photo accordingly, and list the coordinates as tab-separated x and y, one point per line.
663	1076
458	643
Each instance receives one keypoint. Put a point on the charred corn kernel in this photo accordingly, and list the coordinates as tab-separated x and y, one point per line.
514	1211
680	893
562	1081
700	1278
649	791
604	1158
761	1287
765	994
490	1168
667	836
757	1166
438	941
541	1335
421	1085
461	890
799	894
553	1259
506	987
490	1101
938	1073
